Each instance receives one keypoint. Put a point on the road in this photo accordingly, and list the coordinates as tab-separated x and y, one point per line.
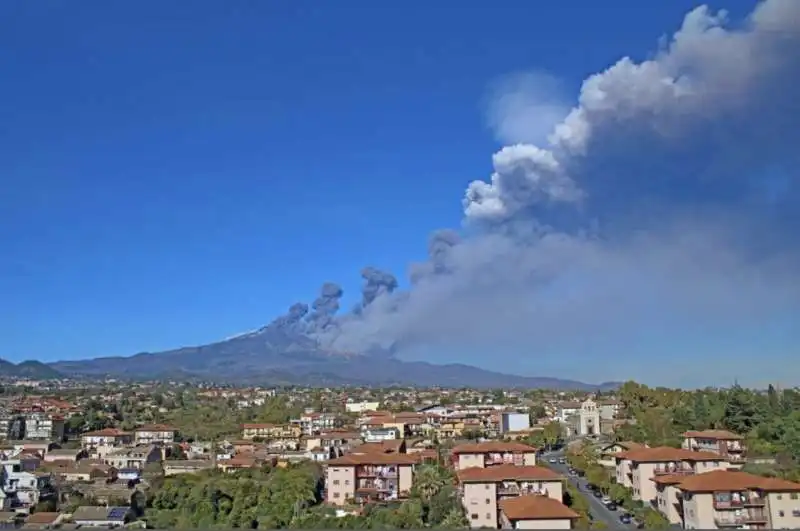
596	507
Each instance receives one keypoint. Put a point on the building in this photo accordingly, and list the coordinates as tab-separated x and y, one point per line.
99	443
514	422
361	407
315	423
535	512
723	442
31	426
154	434
493	453
637	469
483	489
729	499
588	418
136	457
607	454
368	476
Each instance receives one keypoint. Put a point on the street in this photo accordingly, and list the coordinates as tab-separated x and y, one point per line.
599	511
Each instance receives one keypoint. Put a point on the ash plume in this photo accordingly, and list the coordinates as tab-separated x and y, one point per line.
376	283
293	317
325	307
661	214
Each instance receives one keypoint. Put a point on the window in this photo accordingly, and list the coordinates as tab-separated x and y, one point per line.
336	495
780	513
336	481
793	495
779	496
487	486
488	516
473	516
347	482
488	501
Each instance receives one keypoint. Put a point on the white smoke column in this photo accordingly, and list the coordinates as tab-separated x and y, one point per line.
667	155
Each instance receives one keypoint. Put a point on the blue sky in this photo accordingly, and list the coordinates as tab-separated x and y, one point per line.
174	175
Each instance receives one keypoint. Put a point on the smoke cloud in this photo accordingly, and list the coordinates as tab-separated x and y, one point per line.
325	307
660	213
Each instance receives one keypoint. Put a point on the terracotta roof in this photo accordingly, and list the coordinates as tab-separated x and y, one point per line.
489	447
256	426
668	479
723	435
535	507
373	459
155	427
507	472
384	447
42	518
666	453
730	480
105	432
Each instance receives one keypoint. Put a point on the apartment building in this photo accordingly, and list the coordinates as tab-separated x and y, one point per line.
270	431
101	442
725	443
135	458
493	453
535	512
636	469
483	489
607	454
729	499
315	423
368	476
32	426
154	434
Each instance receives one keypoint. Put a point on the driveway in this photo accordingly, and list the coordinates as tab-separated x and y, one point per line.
599	511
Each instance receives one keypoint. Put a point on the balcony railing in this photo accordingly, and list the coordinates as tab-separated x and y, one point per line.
672	471
754	501
730	521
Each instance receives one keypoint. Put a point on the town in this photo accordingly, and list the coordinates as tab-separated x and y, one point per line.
174	455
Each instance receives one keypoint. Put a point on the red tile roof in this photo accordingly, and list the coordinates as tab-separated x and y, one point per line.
492	447
536	507
497	473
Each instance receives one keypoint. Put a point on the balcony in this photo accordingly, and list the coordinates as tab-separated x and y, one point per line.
756	517
376	472
753	501
673	471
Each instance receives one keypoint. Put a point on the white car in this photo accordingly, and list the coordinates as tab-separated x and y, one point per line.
606	499
552	459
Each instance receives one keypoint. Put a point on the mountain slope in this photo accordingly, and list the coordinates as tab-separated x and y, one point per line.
35	370
276	355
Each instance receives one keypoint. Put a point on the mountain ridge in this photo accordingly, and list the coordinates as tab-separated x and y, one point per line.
33	369
276	355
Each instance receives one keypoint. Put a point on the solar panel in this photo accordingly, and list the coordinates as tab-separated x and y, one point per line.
117	513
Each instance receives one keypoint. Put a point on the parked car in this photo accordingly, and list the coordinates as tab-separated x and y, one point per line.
562	461
552	460
611	506
598	494
625	518
606	500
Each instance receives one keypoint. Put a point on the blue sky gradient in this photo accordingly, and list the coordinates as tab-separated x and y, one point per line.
173	175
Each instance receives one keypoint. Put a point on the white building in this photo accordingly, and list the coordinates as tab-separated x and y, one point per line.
361	407
514	422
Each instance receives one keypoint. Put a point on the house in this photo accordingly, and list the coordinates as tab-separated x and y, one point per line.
730	499
483	488
492	454
368	476
44	520
361	407
71	472
535	512
314	423
607	452
100	442
101	516
723	442
375	434
136	457
154	434
186	466
70	456
637	468
269	431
